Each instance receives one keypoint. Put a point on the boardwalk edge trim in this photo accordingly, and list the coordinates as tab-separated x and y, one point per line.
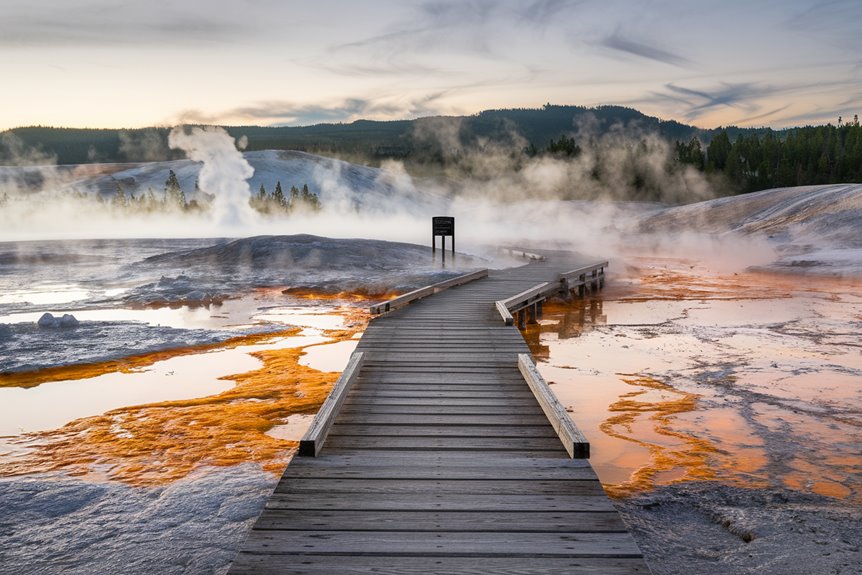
312	442
573	440
415	295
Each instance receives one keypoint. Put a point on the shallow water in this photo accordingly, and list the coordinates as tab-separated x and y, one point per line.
754	381
329	357
52	405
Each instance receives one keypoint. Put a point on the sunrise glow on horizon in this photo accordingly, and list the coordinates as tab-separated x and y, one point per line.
100	64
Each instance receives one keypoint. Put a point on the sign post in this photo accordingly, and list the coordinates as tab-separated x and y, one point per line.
442	226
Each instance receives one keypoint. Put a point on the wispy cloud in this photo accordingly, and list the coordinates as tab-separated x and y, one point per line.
628	46
761	116
286	113
835	21
693	103
542	13
96	23
434	24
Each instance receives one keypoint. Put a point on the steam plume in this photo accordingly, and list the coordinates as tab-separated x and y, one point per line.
224	173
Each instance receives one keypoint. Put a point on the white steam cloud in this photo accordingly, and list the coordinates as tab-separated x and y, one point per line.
224	174
498	194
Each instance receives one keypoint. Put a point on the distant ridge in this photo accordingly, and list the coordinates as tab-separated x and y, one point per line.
366	140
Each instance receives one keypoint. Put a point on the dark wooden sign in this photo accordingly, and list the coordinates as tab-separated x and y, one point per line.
443	225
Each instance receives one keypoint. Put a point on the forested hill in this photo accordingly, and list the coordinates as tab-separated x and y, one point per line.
423	139
737	159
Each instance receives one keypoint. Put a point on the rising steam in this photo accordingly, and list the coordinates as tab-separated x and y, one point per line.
224	174
498	193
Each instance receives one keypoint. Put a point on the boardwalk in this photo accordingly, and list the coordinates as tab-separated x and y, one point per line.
442	461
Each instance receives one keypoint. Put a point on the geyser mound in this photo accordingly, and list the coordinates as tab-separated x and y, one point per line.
309	262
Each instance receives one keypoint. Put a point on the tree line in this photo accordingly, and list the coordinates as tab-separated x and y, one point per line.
173	198
811	155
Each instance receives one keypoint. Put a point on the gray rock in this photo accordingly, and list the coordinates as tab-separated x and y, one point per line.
50	322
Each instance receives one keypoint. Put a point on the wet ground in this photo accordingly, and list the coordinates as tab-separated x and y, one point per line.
160	461
724	412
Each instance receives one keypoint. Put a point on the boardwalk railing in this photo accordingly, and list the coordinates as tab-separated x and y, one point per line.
422	292
589	276
573	440
311	444
526	299
517	252
592	276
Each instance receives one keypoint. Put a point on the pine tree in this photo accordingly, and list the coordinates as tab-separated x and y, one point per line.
278	196
309	199
120	199
174	196
565	146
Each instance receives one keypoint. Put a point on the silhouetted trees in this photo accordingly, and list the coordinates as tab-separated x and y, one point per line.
277	202
799	157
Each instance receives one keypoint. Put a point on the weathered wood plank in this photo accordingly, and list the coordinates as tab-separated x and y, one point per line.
556	459
371	393
452	430
378	470
438	401
450	502
257	564
362	418
435	521
431	488
476	409
445	443
449	544
558	451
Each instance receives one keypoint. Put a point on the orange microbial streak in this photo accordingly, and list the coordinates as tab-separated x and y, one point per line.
644	279
162	442
659	403
353	296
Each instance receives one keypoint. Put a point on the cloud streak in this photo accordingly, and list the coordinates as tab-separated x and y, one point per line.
282	112
104	23
617	42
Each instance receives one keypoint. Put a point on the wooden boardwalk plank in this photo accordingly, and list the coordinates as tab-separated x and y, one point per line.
441	459
420	487
447	544
435	521
488	503
247	564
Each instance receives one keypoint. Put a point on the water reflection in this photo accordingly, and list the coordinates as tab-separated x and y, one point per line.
727	380
564	320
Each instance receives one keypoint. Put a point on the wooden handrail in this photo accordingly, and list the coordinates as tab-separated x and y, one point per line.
526	297
573	440
415	295
524	254
312	442
504	312
578	277
583	270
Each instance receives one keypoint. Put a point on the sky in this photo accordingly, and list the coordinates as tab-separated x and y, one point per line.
126	64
